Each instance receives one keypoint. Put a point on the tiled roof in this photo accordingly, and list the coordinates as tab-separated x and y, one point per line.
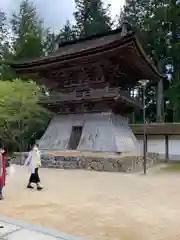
123	37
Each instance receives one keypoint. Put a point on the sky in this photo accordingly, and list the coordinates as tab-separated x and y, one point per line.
53	12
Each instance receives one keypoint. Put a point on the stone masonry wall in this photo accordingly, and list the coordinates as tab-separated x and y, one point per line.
127	164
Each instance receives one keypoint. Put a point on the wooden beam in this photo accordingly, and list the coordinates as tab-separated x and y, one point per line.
167	148
114	73
157	128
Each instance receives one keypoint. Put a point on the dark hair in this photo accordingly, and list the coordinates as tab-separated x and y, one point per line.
2	147
36	145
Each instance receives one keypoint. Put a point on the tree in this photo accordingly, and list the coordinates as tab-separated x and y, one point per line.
174	91
92	17
153	20
4	46
28	31
50	42
21	117
3	33
67	33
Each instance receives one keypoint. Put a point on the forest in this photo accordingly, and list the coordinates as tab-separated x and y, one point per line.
23	35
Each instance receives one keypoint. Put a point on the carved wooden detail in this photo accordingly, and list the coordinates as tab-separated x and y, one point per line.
84	100
96	73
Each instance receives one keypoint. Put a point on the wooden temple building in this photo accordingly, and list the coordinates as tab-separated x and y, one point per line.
90	81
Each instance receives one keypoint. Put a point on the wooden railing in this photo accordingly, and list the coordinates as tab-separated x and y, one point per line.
88	95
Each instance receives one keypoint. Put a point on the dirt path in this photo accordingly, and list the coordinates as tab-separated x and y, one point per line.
98	206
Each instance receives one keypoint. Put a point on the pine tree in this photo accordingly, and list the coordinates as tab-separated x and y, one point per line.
28	32
5	48
3	33
92	17
174	91
153	23
67	33
50	42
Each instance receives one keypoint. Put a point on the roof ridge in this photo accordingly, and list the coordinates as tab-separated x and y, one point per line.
125	28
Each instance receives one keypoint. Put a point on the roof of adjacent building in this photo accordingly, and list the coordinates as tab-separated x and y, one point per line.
156	129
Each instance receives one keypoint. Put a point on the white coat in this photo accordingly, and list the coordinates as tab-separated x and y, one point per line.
30	160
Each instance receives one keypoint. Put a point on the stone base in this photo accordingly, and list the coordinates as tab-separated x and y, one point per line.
13	229
126	164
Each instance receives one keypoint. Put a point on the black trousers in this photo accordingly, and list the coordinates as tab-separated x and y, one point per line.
34	178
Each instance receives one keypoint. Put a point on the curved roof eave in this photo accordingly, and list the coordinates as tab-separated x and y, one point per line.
146	58
51	59
57	56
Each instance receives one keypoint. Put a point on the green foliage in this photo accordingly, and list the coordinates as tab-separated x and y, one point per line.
28	32
92	17
3	34
20	114
4	45
171	168
50	42
158	24
67	33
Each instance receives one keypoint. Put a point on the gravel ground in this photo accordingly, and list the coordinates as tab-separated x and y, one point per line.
98	205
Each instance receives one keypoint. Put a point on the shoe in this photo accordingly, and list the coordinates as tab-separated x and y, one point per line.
30	187
39	188
1	197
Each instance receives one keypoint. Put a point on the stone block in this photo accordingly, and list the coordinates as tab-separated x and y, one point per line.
126	164
7	228
26	234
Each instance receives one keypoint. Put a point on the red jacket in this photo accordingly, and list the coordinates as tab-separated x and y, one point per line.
3	170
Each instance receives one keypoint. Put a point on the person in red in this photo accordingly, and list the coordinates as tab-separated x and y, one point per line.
2	171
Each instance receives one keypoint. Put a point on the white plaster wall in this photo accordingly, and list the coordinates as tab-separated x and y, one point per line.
156	144
174	147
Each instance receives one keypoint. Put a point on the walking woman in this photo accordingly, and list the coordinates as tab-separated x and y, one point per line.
2	171
34	160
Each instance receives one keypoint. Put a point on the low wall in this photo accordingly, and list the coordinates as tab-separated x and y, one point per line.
157	144
126	164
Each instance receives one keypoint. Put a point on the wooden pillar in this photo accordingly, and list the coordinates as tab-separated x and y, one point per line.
145	149
146	143
160	102
133	117
167	148
160	95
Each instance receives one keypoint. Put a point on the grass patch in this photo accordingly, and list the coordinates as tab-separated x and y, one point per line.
172	167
